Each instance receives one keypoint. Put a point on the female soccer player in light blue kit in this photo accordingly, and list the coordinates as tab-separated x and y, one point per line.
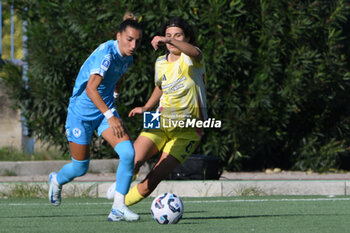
91	107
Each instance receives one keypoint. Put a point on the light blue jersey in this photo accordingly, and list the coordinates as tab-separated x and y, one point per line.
107	62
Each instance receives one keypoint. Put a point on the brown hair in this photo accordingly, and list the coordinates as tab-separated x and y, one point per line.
129	15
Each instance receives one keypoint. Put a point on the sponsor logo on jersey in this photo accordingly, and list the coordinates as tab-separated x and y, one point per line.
174	86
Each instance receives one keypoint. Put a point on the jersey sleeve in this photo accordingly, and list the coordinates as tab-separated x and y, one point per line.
101	61
192	62
157	80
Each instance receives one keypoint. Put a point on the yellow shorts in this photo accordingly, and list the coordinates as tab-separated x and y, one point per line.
178	142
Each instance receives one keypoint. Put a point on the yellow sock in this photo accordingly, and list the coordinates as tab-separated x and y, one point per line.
133	196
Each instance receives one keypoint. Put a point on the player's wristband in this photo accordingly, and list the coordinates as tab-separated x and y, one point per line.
108	114
115	95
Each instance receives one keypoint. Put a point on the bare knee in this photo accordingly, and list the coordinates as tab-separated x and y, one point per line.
144	150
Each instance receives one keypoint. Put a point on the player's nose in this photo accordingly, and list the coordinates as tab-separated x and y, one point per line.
133	45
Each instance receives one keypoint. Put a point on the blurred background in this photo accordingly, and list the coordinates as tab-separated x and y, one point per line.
277	76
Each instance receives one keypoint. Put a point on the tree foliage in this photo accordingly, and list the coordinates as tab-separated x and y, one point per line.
277	73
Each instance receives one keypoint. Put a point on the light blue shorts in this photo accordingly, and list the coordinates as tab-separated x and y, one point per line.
80	131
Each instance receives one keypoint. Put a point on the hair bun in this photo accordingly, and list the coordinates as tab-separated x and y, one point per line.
129	15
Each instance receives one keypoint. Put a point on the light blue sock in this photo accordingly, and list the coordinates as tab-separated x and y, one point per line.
71	170
125	170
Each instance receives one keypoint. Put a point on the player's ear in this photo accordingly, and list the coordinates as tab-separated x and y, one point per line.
118	36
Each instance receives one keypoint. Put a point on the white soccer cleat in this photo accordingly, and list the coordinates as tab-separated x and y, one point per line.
54	190
122	213
110	191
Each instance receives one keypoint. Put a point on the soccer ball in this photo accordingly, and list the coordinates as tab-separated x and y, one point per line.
167	208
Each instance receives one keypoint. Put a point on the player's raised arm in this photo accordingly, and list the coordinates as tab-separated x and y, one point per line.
173	40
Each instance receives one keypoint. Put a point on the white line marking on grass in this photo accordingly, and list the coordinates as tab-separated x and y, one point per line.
196	202
33	204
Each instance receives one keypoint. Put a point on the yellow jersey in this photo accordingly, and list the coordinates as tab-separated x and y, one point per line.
183	85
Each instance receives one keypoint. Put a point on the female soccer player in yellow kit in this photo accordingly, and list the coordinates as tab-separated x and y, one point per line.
180	92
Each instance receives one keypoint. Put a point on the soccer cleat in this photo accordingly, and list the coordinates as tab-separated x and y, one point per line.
110	191
122	213
54	190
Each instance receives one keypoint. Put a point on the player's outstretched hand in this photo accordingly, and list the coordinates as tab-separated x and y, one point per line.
137	110
117	126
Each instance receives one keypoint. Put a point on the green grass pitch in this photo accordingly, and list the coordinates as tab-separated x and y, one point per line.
232	214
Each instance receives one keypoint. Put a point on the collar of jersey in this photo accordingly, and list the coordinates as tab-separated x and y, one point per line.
167	55
118	51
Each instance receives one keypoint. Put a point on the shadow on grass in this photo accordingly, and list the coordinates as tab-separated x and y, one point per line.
261	216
